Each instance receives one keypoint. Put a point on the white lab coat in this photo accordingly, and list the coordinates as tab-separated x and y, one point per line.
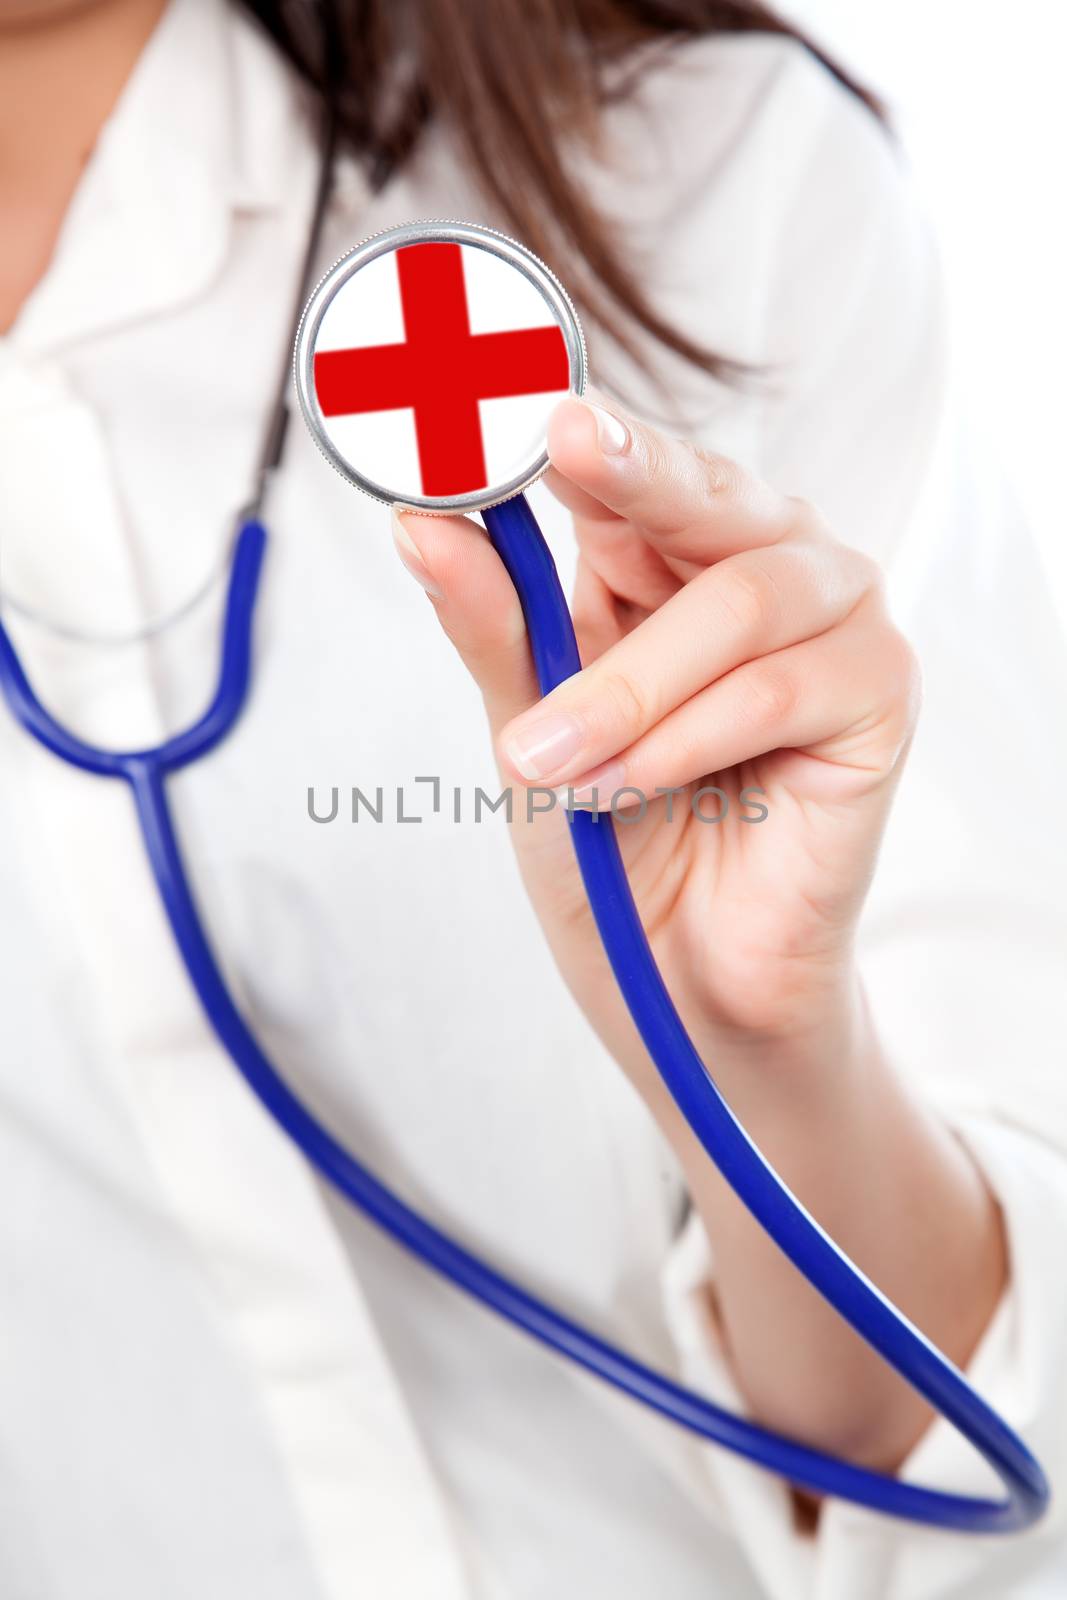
214	1380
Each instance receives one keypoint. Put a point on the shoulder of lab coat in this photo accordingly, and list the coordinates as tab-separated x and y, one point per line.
773	221
965	938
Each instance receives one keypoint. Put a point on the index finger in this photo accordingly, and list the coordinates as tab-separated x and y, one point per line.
691	504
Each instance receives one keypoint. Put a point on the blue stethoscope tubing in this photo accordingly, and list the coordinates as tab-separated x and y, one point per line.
518	540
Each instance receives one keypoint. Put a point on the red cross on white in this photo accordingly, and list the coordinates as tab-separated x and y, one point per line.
436	368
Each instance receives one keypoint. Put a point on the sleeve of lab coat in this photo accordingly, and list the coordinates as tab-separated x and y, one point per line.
964	940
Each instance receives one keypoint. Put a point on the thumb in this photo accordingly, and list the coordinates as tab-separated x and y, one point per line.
452	559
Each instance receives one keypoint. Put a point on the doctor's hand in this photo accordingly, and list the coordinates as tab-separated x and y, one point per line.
730	643
737	657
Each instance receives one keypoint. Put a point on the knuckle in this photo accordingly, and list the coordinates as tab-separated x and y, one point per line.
623	701
806	519
872	571
893	681
869	576
643	492
485	648
721	478
904	675
658	454
748	594
771	694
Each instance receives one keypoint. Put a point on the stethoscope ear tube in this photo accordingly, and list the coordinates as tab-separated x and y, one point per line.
517	538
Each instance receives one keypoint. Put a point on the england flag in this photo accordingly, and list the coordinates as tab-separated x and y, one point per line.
436	367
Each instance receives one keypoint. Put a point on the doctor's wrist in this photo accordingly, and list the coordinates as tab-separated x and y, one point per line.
818	1034
800	1084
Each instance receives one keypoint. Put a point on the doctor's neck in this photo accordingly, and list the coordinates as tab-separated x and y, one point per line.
63	64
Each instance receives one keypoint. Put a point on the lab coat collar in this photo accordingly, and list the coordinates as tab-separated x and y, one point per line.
202	133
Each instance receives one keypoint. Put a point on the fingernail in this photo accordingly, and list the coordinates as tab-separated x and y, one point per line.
543	745
612	436
594	791
408	552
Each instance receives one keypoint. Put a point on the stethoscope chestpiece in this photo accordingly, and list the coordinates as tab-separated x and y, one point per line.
428	361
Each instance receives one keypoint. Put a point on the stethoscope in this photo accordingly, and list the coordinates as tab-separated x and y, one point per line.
360	378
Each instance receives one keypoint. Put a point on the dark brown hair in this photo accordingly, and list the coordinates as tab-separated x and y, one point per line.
512	80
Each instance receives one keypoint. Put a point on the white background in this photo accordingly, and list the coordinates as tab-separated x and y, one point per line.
978	93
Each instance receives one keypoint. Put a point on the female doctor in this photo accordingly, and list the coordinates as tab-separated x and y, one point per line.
216	1380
